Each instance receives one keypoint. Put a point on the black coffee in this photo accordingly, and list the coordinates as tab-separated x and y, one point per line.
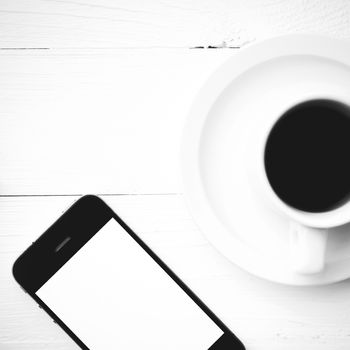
307	156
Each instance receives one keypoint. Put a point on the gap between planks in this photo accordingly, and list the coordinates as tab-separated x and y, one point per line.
81	194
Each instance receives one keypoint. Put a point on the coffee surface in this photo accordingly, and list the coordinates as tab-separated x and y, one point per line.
307	156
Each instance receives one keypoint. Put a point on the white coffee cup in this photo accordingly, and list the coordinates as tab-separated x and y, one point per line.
308	231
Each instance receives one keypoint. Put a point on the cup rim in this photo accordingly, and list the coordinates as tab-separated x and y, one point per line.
327	219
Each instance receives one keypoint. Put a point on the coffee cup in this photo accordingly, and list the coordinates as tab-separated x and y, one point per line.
305	173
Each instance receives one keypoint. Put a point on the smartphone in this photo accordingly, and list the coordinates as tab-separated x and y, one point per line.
108	290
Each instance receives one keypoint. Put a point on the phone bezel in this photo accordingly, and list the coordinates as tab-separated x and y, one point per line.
81	222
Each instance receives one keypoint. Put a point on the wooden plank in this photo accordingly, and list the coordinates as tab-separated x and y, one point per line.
159	23
107	121
265	315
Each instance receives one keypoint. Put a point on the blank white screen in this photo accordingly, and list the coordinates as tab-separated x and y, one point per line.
112	295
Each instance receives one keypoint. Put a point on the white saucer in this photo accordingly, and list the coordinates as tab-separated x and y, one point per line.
262	78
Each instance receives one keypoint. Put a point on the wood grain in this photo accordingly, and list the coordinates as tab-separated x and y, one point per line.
75	122
164	23
94	94
263	314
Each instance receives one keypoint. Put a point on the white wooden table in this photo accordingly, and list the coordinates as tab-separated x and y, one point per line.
93	98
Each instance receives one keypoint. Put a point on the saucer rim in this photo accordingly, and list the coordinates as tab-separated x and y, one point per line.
223	239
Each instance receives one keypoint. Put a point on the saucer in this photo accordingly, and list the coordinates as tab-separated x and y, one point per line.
262	78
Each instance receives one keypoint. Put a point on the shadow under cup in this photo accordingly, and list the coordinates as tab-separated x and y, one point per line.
307	156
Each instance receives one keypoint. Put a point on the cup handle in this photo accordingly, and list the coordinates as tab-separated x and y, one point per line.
307	248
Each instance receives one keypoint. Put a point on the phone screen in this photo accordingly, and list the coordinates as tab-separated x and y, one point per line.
113	295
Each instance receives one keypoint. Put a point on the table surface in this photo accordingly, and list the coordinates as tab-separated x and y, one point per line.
94	96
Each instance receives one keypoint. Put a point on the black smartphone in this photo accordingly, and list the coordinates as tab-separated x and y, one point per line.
108	290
